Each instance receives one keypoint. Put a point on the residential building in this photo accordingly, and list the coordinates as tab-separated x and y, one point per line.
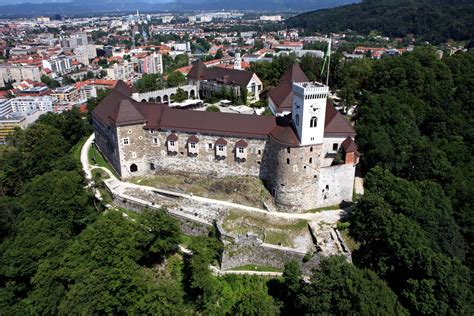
18	73
75	41
273	18
24	105
5	107
215	79
122	71
151	64
59	65
10	122
66	95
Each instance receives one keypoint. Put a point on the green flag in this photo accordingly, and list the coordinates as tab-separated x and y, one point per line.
326	57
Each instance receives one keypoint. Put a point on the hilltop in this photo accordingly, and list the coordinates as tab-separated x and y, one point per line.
86	7
431	20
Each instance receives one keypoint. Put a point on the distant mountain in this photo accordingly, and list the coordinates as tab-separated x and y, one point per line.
88	7
432	20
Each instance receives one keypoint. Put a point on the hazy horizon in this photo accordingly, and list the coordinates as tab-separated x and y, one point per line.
6	2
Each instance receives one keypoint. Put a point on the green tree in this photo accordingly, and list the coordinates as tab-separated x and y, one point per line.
213	108
180	95
338	287
163	236
219	54
255	303
103	273
398	250
150	82
176	79
51	83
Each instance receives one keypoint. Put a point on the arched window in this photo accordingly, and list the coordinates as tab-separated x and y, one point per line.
297	120
133	168
314	121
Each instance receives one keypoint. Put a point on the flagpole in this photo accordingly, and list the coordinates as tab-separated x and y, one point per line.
329	62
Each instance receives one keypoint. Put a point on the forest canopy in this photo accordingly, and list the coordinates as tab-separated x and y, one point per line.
430	20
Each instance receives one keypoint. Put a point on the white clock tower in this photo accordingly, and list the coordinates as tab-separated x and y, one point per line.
309	111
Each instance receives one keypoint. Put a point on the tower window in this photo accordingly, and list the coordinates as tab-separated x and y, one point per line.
335	146
288	150
310	160
311	149
287	161
297	120
314	122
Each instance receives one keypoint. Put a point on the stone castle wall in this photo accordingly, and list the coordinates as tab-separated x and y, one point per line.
336	184
147	153
237	255
106	139
191	226
295	175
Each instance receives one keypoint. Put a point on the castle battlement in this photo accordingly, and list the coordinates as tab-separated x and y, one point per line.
310	88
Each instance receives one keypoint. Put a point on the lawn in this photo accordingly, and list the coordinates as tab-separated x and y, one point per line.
351	243
242	190
96	159
76	149
276	231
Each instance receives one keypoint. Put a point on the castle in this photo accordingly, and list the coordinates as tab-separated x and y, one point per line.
305	154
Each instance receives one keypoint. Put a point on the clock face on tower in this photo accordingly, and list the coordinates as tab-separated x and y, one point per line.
314	110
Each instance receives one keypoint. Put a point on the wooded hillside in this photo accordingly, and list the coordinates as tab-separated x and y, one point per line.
431	20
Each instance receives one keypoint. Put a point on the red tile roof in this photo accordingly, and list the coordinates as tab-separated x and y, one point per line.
282	95
172	137
350	146
337	125
119	109
221	141
241	143
199	71
193	139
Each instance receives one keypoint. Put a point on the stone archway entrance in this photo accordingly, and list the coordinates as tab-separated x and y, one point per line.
133	168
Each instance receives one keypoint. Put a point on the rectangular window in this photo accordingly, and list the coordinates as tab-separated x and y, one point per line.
155	140
241	150
171	143
125	141
210	146
193	145
335	146
220	147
